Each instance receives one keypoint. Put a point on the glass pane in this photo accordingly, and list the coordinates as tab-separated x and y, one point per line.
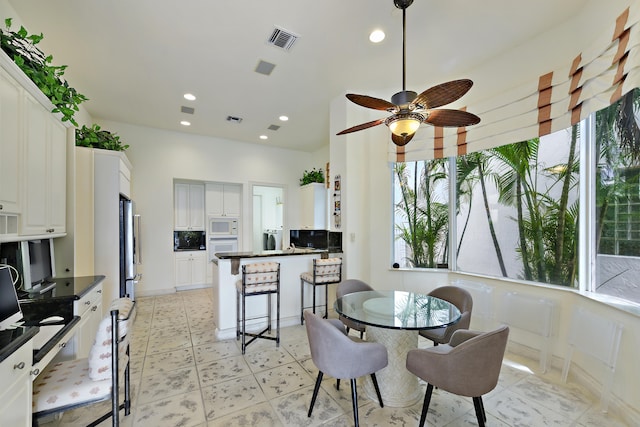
517	210
618	198
421	220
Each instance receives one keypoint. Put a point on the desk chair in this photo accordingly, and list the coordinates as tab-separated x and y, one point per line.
325	272
74	383
261	278
468	366
341	356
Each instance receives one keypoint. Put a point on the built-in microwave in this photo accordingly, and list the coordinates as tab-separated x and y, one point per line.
223	226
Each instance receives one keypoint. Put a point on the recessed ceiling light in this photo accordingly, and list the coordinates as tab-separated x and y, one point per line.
264	137
185	123
189	97
376	36
284	118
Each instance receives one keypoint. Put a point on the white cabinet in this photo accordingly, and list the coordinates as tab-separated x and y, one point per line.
9	144
313	208
89	308
44	171
191	268
15	395
224	199
189	206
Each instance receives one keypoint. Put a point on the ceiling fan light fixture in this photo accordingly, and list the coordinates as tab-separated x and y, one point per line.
404	124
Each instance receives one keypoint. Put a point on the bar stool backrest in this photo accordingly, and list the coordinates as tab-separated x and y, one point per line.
327	270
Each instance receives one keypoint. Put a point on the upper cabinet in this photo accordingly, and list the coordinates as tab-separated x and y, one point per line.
44	171
224	199
33	156
313	209
189	206
9	144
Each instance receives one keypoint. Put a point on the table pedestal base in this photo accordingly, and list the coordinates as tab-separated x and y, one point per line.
398	387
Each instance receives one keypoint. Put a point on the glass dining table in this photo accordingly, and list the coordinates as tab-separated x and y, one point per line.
394	319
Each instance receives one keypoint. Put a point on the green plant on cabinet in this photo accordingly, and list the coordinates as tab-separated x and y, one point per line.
314	175
21	48
95	137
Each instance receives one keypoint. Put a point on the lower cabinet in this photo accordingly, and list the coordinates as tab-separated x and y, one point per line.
191	268
15	395
89	308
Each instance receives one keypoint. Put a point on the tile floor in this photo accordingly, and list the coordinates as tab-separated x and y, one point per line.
182	376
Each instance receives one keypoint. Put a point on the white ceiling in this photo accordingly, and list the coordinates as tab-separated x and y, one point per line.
135	59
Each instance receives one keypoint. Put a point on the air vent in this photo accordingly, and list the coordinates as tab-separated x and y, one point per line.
273	127
234	119
265	67
187	110
282	38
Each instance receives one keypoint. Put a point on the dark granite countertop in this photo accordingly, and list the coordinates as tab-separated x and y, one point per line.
65	288
13	339
286	252
35	307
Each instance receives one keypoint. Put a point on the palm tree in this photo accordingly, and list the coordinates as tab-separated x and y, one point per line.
476	167
426	216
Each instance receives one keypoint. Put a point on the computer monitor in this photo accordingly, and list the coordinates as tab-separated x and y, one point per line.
10	312
38	263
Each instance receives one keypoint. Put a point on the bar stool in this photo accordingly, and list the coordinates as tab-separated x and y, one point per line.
325	272
257	279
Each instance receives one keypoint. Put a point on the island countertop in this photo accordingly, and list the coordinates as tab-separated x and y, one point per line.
324	253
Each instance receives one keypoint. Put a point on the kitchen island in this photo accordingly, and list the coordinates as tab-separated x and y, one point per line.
227	270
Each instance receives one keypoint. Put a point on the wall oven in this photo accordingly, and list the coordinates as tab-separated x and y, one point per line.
222	244
223	226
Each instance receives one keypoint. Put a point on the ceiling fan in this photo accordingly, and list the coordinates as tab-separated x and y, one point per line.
410	109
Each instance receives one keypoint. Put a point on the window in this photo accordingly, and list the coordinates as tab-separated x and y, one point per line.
617	213
517	207
518	210
421	206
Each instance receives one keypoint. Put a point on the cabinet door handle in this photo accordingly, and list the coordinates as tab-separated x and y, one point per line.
35	372
62	344
94	308
1	207
87	303
19	365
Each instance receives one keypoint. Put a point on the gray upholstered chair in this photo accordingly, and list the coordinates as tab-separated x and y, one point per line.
468	366
336	354
459	297
347	287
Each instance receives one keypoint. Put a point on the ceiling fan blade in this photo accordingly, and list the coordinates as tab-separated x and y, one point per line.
362	126
401	140
443	94
451	118
371	102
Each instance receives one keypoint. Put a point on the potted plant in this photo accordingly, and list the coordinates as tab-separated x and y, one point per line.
95	137
314	175
21	48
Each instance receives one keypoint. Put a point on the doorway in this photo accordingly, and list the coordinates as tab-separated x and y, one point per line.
268	217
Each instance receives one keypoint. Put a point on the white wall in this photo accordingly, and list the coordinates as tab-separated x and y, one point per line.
159	156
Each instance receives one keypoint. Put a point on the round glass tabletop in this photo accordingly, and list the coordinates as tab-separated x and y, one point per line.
397	310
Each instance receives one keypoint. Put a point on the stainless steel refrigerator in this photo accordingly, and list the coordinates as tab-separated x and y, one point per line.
130	248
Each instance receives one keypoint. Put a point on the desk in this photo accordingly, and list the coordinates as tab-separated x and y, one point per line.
393	318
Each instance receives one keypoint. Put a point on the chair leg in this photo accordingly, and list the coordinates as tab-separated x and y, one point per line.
237	315
337	383
425	405
301	302
278	318
244	321
354	398
314	297
315	392
480	414
326	301
375	385
269	313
